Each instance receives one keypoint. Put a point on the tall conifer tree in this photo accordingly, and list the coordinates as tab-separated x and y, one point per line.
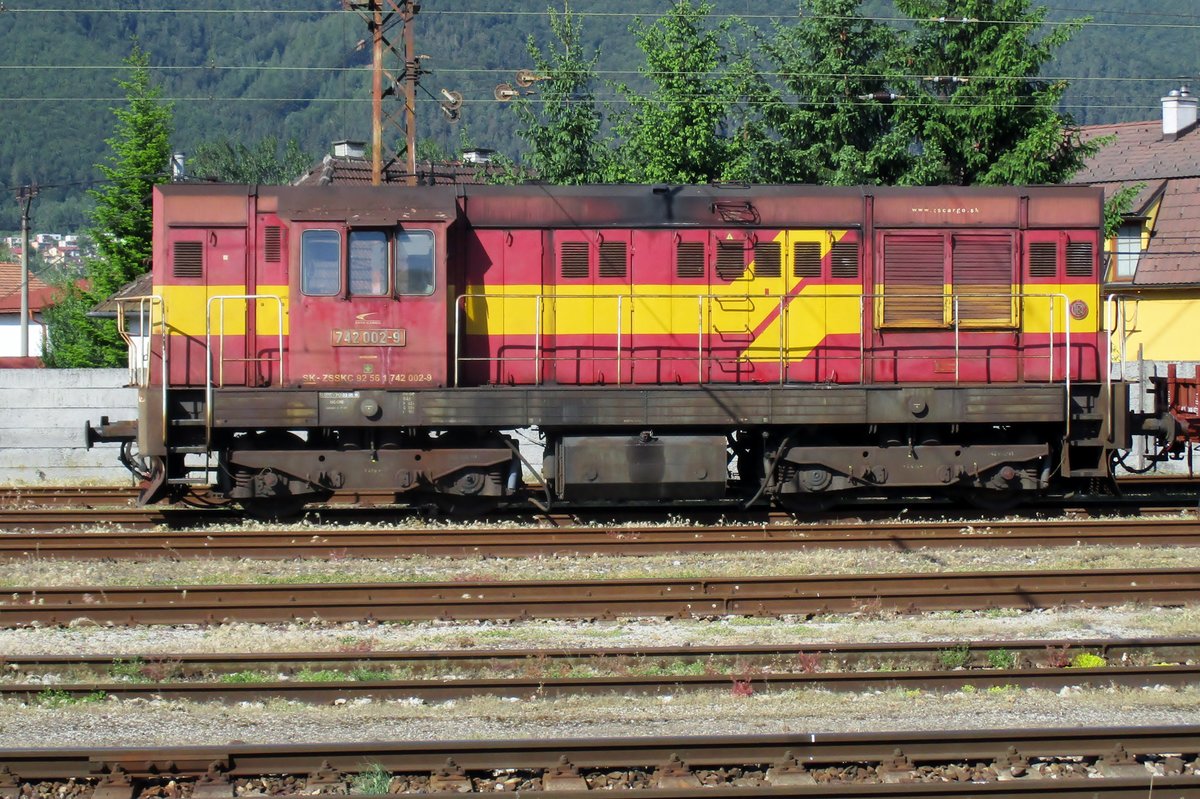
978	111
122	220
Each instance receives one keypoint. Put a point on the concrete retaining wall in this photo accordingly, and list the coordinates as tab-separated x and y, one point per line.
42	416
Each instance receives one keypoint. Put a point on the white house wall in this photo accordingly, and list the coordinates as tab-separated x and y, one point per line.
10	337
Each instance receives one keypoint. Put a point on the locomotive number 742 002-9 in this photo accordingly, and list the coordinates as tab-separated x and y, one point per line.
377	337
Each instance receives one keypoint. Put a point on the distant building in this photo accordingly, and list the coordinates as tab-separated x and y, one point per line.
1153	264
40	295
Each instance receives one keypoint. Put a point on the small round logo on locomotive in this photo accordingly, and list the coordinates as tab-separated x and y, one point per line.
1079	309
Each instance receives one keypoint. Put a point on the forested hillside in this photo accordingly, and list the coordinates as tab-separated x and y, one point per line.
235	70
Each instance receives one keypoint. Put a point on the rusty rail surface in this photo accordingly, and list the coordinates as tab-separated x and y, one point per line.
745	683
612	540
611	598
900	753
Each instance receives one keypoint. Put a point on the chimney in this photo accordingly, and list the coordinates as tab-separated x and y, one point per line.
1179	113
178	168
348	148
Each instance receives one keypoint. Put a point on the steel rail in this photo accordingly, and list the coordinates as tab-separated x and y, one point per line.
810	749
613	540
1033	653
436	690
612	598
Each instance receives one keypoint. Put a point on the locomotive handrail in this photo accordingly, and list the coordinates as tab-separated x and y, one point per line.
142	375
1057	302
220	300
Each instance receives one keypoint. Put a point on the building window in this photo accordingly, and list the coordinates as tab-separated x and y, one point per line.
1129	251
368	263
414	262
321	263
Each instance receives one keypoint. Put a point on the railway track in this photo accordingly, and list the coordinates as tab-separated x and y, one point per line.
591	599
612	540
1114	763
332	677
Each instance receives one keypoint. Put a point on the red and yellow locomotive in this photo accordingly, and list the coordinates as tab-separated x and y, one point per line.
782	343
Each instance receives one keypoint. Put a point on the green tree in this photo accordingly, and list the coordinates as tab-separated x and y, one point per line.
561	124
678	132
978	111
828	116
122	223
261	162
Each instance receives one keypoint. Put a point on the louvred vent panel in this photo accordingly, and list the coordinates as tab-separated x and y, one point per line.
272	244
768	259
983	273
612	259
1043	259
731	260
1079	259
844	259
806	259
188	259
689	259
575	260
913	280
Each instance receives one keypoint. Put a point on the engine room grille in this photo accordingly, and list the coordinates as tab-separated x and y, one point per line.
689	259
1043	259
983	273
913	275
272	244
612	259
806	259
844	259
731	260
768	259
575	261
1079	259
188	259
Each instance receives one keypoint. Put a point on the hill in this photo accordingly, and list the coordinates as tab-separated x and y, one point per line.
236	70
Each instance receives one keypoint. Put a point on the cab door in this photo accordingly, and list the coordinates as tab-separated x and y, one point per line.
371	309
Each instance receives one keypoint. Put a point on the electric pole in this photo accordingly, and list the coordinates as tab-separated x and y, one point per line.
381	16
25	198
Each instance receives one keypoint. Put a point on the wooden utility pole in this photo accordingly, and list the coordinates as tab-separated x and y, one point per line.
381	16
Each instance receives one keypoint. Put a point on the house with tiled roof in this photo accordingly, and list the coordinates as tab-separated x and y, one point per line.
40	295
1153	268
1159	242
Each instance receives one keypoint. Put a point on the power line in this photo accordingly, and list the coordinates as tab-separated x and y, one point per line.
599	73
635	14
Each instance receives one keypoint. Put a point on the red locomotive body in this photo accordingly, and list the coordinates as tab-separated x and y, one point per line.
717	343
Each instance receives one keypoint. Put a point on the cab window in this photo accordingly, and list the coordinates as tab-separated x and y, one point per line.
321	263
368	268
414	262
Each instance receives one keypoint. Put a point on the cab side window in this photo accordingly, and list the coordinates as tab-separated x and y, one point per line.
321	263
368	263
414	262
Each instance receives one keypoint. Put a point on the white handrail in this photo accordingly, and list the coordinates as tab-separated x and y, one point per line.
1057	303
220	300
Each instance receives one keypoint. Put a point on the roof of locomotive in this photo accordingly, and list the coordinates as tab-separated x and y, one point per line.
627	205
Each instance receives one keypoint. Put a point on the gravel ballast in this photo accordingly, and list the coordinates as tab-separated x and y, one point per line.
161	723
